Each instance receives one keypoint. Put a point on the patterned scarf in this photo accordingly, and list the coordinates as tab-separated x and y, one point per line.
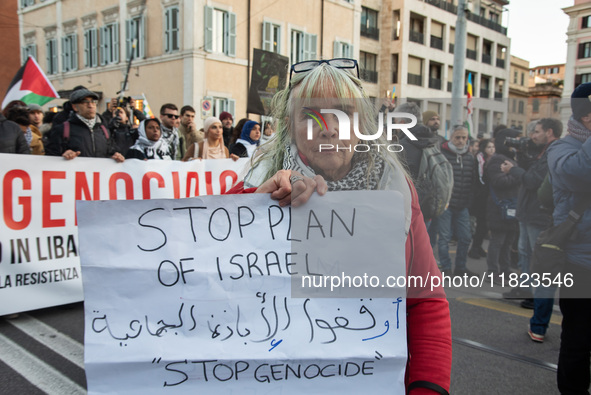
356	179
88	122
151	149
456	150
578	130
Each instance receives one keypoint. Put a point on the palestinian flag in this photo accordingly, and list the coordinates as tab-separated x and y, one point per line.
30	85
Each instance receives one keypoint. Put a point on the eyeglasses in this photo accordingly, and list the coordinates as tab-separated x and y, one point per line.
173	116
87	102
339	63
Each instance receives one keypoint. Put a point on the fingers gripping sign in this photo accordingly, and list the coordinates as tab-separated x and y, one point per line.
290	187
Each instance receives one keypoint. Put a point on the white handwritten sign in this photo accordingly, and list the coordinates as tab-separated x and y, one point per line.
194	296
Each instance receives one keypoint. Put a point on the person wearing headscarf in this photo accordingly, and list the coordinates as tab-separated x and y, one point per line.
212	147
250	138
149	144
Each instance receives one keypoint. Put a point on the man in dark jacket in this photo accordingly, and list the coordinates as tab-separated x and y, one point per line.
533	219
12	139
569	163
88	137
456	216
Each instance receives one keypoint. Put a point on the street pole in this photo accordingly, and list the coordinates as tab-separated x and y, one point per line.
457	89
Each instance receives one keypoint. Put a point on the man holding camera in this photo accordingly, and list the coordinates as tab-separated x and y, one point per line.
533	219
123	135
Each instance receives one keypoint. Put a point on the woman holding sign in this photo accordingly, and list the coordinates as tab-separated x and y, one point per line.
313	152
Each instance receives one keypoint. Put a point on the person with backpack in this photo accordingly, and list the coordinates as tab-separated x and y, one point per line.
430	171
456	216
83	134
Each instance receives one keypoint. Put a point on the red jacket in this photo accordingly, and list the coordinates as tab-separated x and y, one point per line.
428	320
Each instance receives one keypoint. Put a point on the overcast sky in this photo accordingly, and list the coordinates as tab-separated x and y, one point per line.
538	30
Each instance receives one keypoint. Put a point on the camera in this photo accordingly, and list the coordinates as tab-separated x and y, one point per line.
520	144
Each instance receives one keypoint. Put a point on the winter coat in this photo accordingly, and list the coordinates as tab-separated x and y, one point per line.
529	208
503	185
569	163
413	149
12	138
37	141
465	175
123	137
91	144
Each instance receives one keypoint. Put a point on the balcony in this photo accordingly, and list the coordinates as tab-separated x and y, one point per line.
444	5
484	93
471	54
417	37
451	47
436	42
501	63
499	96
449	7
415	79
486	58
435	83
369	75
449	86
370	32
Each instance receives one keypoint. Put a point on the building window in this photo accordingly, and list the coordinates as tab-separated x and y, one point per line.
27	3
171	30
90	48
586	21
536	105
342	50
397	22
494	17
109	44
221	104
303	46
29	50
522	78
271	37
415	71
134	31
367	66
584	50
515	77
70	52
521	106
513	105
394	69
51	56
369	23
220	31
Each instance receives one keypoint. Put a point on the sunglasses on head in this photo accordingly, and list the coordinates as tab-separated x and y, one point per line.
173	116
339	63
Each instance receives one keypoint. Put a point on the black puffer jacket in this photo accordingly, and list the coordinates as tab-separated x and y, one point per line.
90	144
12	138
504	185
413	149
465	175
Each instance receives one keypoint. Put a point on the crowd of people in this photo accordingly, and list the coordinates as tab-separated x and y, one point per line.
123	132
507	188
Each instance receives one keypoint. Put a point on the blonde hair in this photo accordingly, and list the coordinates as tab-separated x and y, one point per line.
324	81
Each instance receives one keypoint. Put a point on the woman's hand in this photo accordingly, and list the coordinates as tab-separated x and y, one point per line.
234	157
288	186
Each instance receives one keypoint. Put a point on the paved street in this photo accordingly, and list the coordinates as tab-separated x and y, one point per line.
42	351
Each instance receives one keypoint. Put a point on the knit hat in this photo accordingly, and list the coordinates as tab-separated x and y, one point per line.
580	101
210	121
225	115
427	115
